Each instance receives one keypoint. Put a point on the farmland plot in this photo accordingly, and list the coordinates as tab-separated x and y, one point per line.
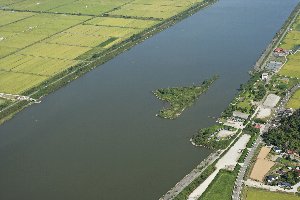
153	9
35	65
46	50
39	39
7	17
292	42
294	102
121	22
17	83
292	67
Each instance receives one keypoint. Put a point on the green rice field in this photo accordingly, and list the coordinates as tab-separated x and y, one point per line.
40	39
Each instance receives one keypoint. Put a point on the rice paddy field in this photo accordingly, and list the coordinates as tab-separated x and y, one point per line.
255	194
294	102
40	39
292	42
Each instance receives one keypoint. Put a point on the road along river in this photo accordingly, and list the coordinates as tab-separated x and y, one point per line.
98	137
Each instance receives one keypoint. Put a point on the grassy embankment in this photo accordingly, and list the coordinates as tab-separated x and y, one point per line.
179	98
221	187
44	46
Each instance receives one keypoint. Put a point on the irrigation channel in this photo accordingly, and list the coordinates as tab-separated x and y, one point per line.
99	138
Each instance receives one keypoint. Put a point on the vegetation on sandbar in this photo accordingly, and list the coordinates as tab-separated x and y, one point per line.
179	98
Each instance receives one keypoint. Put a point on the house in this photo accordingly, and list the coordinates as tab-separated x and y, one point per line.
271	178
279	50
277	150
284	185
280	172
290	152
258	126
264	76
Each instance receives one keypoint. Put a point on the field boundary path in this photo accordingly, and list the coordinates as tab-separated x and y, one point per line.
256	184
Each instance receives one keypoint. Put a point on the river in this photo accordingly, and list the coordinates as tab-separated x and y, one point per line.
98	137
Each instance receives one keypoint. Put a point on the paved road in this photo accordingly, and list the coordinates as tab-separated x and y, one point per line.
276	41
257	184
240	178
228	160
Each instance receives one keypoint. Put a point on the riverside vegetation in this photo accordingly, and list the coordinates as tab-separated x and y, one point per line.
179	98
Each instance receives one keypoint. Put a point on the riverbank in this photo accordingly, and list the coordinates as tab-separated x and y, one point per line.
261	62
9	109
256	77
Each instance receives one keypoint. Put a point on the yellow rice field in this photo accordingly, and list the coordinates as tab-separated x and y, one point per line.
294	102
39	39
292	67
